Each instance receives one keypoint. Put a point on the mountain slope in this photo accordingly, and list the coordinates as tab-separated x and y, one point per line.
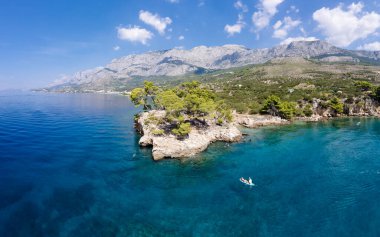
177	62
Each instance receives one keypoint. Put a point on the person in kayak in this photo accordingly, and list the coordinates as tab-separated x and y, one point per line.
249	181
244	180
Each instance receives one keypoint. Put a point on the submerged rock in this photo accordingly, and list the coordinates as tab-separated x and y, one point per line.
169	146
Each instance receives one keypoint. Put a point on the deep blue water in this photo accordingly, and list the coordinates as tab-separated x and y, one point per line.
70	165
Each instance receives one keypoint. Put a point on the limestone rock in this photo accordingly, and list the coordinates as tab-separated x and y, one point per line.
176	62
254	121
169	146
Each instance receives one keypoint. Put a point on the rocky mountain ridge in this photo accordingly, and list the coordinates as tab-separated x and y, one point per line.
198	60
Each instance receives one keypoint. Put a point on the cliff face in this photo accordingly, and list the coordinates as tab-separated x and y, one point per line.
169	146
360	106
364	107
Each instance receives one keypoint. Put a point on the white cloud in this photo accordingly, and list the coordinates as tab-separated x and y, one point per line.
281	28
233	29
344	26
181	37
155	20
295	39
240	24
375	46
173	1
201	3
266	10
239	5
116	48
134	34
293	9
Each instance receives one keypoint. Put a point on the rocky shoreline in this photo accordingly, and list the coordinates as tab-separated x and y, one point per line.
199	138
255	121
169	146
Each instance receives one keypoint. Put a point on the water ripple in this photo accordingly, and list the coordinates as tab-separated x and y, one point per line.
71	166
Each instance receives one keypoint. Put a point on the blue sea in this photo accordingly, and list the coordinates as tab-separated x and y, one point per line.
70	165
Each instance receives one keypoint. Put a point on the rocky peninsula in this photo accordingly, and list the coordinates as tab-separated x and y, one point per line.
184	120
167	145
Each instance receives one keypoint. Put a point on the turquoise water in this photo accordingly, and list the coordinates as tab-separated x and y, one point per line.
70	165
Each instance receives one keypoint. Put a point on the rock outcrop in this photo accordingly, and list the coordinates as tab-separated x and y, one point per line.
169	146
254	121
363	107
358	106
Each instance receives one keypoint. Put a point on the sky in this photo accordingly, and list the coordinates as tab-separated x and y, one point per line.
43	40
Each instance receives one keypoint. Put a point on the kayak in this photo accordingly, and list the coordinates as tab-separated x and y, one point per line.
246	182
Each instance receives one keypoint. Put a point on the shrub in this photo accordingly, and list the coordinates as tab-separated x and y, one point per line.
336	105
182	130
308	110
271	105
241	108
219	121
158	132
169	101
299	112
363	85
287	110
254	107
274	106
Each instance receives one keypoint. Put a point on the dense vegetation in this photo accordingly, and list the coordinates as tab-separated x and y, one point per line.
254	90
186	105
289	89
288	98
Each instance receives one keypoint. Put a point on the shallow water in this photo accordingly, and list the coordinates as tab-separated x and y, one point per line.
70	165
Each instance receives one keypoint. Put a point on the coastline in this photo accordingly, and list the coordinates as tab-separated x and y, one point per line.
198	140
169	146
257	121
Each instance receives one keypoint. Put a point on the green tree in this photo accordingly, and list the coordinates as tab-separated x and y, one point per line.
254	107
169	101
138	97
150	88
187	102
363	85
182	130
271	105
275	107
336	105
145	96
223	113
308	110
287	109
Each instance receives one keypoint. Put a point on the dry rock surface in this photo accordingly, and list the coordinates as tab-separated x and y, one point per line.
254	121
169	146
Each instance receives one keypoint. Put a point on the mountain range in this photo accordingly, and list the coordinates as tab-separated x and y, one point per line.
200	60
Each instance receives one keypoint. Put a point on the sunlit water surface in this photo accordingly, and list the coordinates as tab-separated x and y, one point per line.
70	165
